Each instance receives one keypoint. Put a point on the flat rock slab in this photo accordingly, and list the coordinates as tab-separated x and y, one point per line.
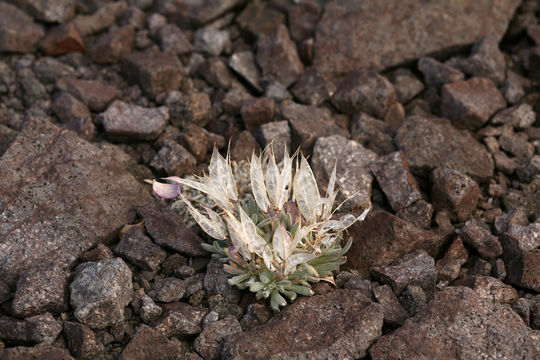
431	143
341	324
59	197
381	34
459	324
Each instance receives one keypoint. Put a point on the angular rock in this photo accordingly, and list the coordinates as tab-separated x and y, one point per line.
256	314
149	310
180	319
419	214
244	145
58	11
394	238
41	290
188	108
215	72
173	159
519	116
211	41
413	298
155	72
352	163
337	325
167	229
196	140
278	58
216	283
148	344
487	245
522	256
277	92
100	291
348	28
62	39
428	144
111	46
172	39
195	13
257	112
454	192
364	91
68	108
399	186
416	268
259	18
437	74
313	89
470	103
168	290
308	123
82	341
517	145
394	313
458	323
406	85
513	87
303	18
18	32
104	16
210	341
8	135
128	122
530	170
93	93
33	330
49	70
278	133
372	133
137	248
489	288
243	63
62	196
41	351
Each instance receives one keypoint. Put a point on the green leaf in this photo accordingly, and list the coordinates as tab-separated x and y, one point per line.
256	286
299	289
235	280
276	300
266	277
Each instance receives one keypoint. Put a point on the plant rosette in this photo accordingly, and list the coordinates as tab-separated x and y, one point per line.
283	238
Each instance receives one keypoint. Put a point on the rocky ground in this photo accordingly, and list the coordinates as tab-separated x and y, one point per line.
431	109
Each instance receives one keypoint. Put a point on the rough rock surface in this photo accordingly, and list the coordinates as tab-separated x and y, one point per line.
459	323
149	344
63	190
347	28
18	33
341	324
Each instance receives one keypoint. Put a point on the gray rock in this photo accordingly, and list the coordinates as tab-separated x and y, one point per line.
188	108
49	70
372	133
150	312
513	87
180	319
278	58
460	323
149	344
18	32
195	13
399	186
308	123
406	85
82	341
210	341
155	72
419	214
173	159
168	290
277	92
103	17
93	93
137	248
100	291
58	11
128	122
365	91
437	74
67	107
394	313
413	298
172	39
470	103
33	330
338	325
352	161
276	132
216	73
428	144
519	116
530	170
260	18
454	192
64	194
111	46
480	238
41	290
243	63
417	268
313	89
216	282
211	41
347	28
517	145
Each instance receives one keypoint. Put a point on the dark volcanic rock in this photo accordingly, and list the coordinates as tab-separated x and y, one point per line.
111	46
195	12
18	33
372	133
243	63
39	352
489	288
8	135
338	325
352	162
487	245
173	159
429	143
100	291
437	74
210	342
137	248
188	108
257	112
383	238
67	107
82	341
259	18
49	11
460	324
406	85
62	39
41	290
180	319
93	93
61	196
149	344
368	34
168	290
394	313
216	282
41	328
104	16
312	88
168	230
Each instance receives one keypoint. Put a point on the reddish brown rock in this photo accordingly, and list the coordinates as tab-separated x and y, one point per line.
39	352
168	290
489	288
196	140
278	58
470	103
43	328
82	341
62	39
137	248
68	108
383	238
148	344
49	11
394	313
429	143
104	16
244	145
459	323
437	74
480	238
257	112
93	93
18	32
189	108
180	319
312	88
173	159
454	192
64	194
210	341
337	325
259	18
455	257
195	13
347	28
167	229
372	133
110	47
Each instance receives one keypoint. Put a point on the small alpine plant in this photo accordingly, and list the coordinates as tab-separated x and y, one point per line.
279	241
